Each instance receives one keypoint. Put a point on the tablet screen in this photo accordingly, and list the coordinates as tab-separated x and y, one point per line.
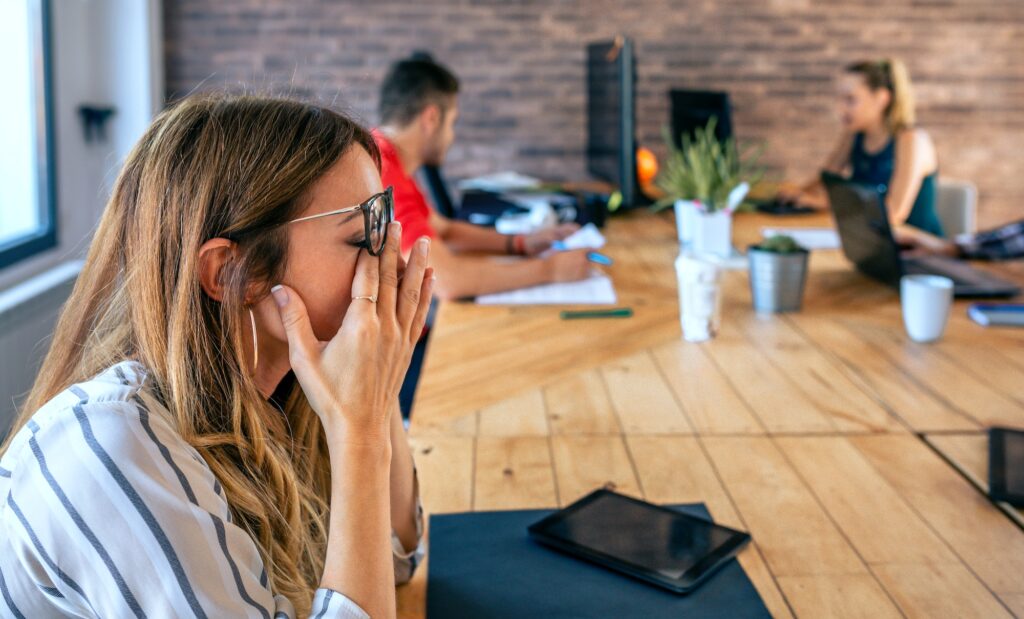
1013	448
1006	465
654	539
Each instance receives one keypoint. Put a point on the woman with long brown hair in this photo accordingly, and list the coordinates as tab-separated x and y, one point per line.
881	145
213	432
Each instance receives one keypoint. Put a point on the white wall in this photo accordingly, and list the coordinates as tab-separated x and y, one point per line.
103	52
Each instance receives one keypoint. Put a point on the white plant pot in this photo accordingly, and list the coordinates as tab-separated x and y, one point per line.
712	234
687	212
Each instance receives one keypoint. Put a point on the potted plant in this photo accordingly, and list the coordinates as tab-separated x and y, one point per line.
778	271
706	179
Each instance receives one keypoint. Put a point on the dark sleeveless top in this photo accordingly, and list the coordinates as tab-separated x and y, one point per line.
877	168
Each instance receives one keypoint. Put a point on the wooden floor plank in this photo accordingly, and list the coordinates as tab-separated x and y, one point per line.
938	590
521	415
642	399
872	515
795	534
984	538
586	463
707	396
846	596
903	396
580	405
445	469
513	473
777	403
425	425
824	381
968	452
955	383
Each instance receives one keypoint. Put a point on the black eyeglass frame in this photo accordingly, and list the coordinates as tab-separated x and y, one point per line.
367	209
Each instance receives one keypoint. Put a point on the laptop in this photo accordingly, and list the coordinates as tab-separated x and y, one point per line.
868	243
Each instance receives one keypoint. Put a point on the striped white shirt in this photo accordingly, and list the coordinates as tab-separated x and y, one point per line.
107	512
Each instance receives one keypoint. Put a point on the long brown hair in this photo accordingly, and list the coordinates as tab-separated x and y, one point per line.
890	74
212	166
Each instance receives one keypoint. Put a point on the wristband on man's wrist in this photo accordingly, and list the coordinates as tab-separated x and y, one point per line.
520	244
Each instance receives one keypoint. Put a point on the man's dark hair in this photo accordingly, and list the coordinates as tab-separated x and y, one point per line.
411	85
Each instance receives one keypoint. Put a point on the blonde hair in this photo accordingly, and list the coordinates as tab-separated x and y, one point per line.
212	166
890	74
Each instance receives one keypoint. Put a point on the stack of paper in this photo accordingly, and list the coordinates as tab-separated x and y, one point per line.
597	290
587	237
808	238
500	182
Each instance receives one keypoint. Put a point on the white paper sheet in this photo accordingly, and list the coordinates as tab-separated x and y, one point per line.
598	290
808	238
499	182
587	237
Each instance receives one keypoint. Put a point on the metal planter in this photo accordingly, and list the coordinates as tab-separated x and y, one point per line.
777	279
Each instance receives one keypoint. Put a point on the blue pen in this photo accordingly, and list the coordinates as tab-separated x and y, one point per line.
599	258
559	246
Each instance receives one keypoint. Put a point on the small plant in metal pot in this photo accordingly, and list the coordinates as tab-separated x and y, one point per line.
778	271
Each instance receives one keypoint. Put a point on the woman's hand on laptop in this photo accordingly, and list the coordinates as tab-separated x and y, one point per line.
915	242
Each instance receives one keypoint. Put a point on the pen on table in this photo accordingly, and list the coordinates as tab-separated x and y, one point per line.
619	312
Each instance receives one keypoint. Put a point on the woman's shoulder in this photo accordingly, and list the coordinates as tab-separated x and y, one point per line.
913	136
112	412
917	144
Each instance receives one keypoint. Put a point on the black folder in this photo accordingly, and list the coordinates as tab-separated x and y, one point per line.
483	565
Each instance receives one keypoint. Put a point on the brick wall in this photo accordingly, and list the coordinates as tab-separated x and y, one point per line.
521	64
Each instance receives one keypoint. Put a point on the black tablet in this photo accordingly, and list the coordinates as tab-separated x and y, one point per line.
655	544
1006	465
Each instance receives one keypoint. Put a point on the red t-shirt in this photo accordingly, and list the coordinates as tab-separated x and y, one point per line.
411	208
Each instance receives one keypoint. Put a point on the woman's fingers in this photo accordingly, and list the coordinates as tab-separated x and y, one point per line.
420	317
412	282
302	343
388	265
365	284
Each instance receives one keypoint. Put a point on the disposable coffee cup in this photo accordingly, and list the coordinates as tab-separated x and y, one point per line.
926	300
699	298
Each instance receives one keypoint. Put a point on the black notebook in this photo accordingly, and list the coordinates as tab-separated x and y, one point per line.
484	565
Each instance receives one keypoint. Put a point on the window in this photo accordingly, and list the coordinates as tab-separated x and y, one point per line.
27	201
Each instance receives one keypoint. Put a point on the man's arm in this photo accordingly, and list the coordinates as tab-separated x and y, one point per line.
463	236
470	276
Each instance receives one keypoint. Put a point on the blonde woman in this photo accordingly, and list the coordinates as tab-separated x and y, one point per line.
880	145
213	432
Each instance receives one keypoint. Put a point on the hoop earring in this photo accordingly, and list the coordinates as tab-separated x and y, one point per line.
255	344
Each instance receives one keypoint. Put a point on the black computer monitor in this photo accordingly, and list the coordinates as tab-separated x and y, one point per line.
692	109
611	138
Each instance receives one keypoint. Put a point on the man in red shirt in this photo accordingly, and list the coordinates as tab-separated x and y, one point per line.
418	108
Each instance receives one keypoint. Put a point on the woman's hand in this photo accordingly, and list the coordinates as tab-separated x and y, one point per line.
914	242
541	240
352	380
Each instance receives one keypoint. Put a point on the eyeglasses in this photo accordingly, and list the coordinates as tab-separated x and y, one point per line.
378	211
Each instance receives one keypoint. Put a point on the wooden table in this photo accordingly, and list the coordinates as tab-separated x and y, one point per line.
848	452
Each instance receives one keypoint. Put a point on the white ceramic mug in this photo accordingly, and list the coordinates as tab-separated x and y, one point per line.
926	300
